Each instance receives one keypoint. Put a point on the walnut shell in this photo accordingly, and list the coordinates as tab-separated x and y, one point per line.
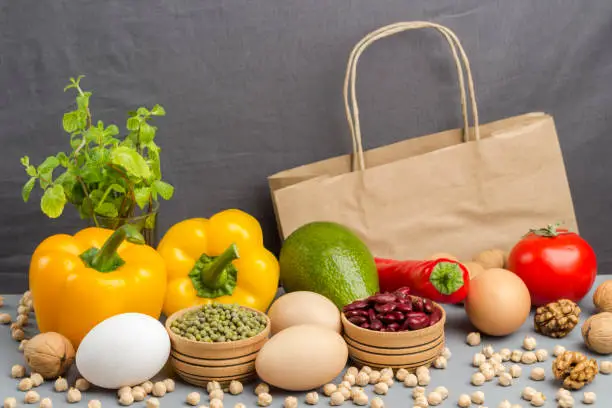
574	369
49	354
602	298
474	268
491	258
597	333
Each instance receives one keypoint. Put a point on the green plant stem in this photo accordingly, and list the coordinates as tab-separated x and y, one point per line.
105	260
212	274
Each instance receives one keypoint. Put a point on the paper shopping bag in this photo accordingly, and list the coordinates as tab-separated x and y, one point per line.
458	191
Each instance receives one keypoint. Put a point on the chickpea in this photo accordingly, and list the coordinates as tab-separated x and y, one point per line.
566	402
504	404
138	393
418	392
366	369
424	379
401	374
123	390
37	379
170	385
236	387
312	398
434	398
440	363
505	354
10	402
529	357
473	339
537	374
505	380
529	343
46	403
377	402
61	384
447	353
589	397
126	398
290	402
5	318
152	403
82	384
528	393
478	359
73	396
538	399
515	371
22	345
261	388
478	379
18	371
216	394
443	391
25	384
363	379
516	356
496	358
558	350
193	398
147	386
488	351
215	403
94	404
411	381
562	392
361	398
238	405
159	389
381	388
389	371
422	370
464	401
329	389
264	399
374	377
349	378
541	355
488	372
421	402
605	367
214	385
346	392
478	397
31	397
352	371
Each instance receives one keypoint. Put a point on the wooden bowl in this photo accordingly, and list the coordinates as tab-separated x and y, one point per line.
405	349
198	362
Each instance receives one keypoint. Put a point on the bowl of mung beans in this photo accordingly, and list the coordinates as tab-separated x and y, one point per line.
216	342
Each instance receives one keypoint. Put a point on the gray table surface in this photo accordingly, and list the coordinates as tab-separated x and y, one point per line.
456	377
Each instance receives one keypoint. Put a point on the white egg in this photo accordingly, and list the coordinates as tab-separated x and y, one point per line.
123	350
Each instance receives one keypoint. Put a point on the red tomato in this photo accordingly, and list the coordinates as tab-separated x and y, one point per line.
554	264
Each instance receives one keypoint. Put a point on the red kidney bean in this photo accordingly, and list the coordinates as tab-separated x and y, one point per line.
417	320
403	292
403	307
357	320
365	325
393	327
376	325
352	313
405	325
389	318
404	301
371	315
384	307
383	298
358	304
417	304
399	316
435	316
427	306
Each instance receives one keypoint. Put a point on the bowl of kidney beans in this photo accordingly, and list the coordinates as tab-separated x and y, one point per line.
396	311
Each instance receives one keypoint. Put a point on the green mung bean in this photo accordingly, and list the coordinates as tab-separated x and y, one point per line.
219	322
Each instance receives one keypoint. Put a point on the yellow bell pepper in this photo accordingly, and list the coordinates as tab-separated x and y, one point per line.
221	259
78	281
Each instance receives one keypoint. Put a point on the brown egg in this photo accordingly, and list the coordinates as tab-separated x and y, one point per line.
498	302
304	307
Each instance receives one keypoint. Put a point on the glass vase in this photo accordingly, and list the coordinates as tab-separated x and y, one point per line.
146	222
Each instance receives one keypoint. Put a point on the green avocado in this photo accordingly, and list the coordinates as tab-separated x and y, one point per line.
329	259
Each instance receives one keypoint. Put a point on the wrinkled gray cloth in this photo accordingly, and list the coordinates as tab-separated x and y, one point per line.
254	87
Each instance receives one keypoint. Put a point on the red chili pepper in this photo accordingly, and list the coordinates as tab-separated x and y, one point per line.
441	280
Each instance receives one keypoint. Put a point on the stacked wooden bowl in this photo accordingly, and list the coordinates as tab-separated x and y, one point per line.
198	362
405	349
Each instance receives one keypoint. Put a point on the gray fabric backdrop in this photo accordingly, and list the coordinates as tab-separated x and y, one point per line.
254	87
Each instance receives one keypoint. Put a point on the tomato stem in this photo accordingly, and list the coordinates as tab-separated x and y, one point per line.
549	231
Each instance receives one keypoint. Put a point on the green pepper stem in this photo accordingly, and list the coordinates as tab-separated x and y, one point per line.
212	274
106	256
447	277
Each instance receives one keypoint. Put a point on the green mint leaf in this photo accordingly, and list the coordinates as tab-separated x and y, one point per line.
70	121
150	221
164	189
27	189
31	171
86	208
133	123
132	113
142	195
53	201
94	135
142	111
75	143
158	110
49	164
96	195
111	130
117	188
64	161
154	162
147	132
131	161
25	161
45	178
91	174
107	210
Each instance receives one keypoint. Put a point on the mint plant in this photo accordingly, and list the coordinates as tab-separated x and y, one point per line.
103	174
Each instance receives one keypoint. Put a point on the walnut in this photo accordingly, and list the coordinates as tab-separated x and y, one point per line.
557	319
597	333
574	369
491	258
49	354
602	298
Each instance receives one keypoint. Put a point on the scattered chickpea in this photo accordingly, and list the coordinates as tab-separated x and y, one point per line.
336	398
312	398
488	372
82	384
421	402
193	398
349	378
138	393
147	386
159	389
22	320
478	379
488	351
61	384
366	369
505	380
355	390
361	399
15	326
537	374
440	363
401	374
46	403
496	358
516	356
529	343
538	399
170	385
541	355
152	403
18	371
529	357
499	369
464	401
290	402
374	376
589	397
566	401
605	367
505	354
22	345
5	318
123	390
443	391
352	371
216	394
363	379
558	350
25	384
381	388
10	402
219	404
94	404
22	310
447	353
434	398
263	387
424	379
73	396
473	339
528	393
126	398
418	392
515	406
235	387
515	371
31	397
389	371
411	380
504	404
37	379
562	392
346	392
328	389
478	397
377	402
212	385
478	359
